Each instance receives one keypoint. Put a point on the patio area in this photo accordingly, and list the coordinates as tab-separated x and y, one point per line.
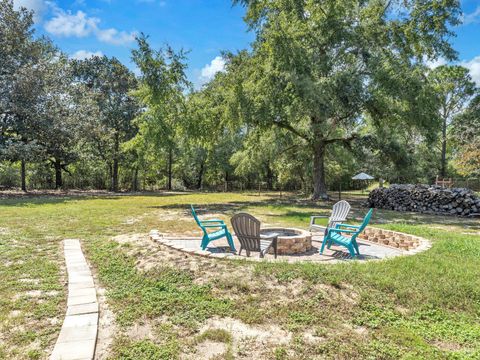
369	250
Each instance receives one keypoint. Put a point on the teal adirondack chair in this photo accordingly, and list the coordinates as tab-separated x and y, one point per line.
205	225
334	235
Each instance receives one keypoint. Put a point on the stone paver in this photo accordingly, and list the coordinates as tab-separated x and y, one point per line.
78	335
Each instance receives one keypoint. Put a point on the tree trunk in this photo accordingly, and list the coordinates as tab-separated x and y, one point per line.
135	179
443	169
200	175
170	161
270	176
319	187
225	186
58	174
23	175
115	164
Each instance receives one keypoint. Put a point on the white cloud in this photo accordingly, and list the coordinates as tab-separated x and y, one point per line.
474	67
68	24
39	7
472	17
208	72
79	24
84	54
432	64
115	37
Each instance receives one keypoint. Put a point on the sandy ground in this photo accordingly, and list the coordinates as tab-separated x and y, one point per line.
248	341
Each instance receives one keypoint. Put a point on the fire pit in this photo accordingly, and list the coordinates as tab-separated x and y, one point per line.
290	241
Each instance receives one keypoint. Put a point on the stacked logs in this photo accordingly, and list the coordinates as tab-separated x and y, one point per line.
425	199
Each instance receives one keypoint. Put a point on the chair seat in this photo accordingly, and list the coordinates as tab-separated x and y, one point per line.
340	239
318	227
216	234
265	244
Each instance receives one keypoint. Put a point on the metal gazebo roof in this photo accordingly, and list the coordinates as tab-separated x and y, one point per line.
362	176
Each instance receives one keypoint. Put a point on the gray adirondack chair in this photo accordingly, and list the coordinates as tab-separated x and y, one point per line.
339	214
247	229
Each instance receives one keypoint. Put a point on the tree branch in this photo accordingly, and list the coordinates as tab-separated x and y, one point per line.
64	168
345	141
289	148
286	126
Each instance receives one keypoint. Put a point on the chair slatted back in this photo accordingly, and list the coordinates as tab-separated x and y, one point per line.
366	220
197	220
339	213
194	214
247	229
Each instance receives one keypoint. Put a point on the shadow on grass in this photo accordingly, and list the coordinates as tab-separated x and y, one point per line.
59	197
412	218
205	209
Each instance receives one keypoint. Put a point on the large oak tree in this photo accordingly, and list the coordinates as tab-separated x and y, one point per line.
318	68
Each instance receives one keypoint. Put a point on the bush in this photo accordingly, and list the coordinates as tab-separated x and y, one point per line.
9	175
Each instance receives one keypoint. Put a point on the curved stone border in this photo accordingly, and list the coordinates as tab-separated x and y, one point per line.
78	335
418	245
391	238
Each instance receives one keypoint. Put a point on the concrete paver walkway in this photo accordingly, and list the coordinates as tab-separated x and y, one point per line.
78	336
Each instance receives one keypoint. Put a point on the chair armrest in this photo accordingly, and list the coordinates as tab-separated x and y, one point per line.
312	218
215	226
347	226
342	231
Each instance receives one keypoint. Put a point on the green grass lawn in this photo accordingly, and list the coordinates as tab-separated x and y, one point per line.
423	306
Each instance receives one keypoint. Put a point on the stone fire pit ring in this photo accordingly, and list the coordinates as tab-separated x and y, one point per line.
290	241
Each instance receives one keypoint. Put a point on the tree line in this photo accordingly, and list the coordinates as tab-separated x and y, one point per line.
327	89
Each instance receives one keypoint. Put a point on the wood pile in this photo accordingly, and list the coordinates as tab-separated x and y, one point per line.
425	199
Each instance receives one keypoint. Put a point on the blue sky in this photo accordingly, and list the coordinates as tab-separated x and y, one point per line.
203	27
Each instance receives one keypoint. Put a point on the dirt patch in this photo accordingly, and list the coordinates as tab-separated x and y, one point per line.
207	350
29	281
13	263
448	346
4	231
152	255
106	326
30	294
139	239
141	331
312	338
239	330
168	215
349	294
14	314
249	342
55	321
